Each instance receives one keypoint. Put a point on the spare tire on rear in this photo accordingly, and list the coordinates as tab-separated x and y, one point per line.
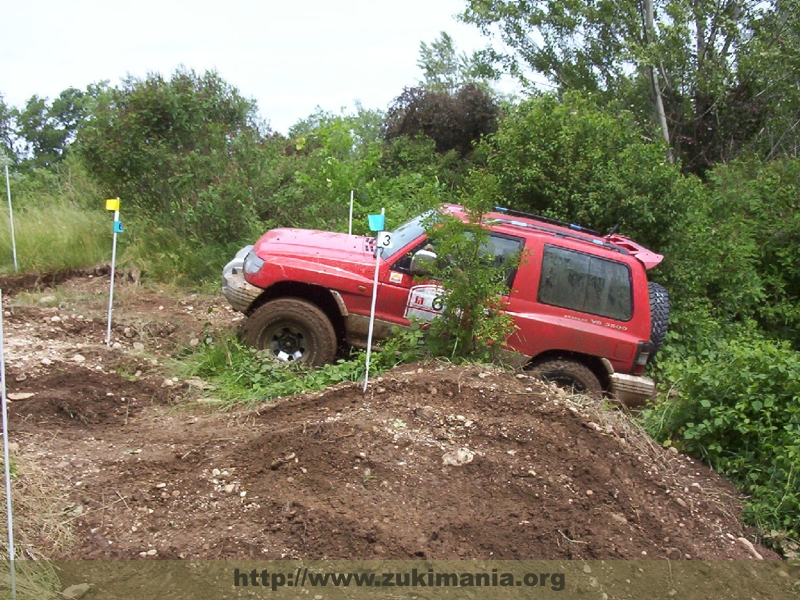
659	314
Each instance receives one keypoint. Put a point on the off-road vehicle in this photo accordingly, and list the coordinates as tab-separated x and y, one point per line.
585	312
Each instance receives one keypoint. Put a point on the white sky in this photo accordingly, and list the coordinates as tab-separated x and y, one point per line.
290	56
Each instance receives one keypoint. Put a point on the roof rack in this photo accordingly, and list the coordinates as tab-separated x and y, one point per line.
565	234
517	213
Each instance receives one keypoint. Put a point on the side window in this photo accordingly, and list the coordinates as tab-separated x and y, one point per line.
403	264
499	250
506	251
586	283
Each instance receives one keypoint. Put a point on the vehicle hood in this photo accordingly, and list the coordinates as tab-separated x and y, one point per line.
322	247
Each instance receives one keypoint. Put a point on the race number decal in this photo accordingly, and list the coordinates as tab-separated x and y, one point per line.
384	239
424	302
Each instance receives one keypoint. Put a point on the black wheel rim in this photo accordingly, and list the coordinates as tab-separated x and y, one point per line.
286	342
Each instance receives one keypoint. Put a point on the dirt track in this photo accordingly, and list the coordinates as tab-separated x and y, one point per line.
143	469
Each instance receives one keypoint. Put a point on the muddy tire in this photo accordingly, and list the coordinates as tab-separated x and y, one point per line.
292	330
569	374
659	315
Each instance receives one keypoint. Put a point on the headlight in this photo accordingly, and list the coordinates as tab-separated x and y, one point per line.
252	263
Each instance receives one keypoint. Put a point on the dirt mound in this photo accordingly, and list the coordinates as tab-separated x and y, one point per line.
91	399
13	284
439	462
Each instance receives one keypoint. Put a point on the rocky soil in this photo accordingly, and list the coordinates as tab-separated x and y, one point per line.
433	462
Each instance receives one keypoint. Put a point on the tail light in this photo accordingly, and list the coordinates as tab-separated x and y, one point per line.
643	353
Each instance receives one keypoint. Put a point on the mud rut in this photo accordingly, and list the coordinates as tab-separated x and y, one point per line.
435	462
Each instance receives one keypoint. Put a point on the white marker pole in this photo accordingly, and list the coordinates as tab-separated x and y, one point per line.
350	226
11	217
112	204
6	458
372	309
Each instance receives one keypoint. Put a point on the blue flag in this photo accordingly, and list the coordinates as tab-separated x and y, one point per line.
376	222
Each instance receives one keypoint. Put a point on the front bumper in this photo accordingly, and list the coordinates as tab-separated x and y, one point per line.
239	293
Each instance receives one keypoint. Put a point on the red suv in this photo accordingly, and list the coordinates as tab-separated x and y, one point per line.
585	313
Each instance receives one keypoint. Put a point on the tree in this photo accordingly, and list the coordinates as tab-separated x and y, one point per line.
445	70
473	280
454	105
46	129
178	148
148	136
454	121
6	130
576	160
773	62
714	62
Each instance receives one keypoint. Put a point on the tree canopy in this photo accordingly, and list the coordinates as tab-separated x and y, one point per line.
722	70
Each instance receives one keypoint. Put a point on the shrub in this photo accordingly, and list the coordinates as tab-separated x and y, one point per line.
474	281
453	121
167	147
244	375
739	410
569	159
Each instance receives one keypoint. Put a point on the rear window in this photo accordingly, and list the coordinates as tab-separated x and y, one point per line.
586	283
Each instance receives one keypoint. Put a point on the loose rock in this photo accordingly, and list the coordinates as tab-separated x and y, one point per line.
75	592
458	457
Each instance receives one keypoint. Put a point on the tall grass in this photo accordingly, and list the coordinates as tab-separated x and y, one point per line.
166	255
56	234
54	237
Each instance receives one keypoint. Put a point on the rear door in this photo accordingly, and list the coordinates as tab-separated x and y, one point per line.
577	301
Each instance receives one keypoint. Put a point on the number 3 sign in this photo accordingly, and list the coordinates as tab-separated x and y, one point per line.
384	239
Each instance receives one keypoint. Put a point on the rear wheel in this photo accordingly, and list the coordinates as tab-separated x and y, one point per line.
569	374
292	330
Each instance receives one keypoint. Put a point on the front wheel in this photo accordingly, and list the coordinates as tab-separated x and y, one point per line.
292	330
569	374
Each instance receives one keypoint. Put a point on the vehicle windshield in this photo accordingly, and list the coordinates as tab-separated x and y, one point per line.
405	234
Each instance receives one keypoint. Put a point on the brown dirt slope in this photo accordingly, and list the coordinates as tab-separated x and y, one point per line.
435	461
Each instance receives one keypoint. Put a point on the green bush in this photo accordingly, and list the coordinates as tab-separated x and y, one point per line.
330	155
570	159
739	410
167	146
472	324
736	249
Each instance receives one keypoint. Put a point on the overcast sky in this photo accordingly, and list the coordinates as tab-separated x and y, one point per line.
289	55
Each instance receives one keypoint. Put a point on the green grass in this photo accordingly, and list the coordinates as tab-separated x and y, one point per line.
55	238
243	376
165	255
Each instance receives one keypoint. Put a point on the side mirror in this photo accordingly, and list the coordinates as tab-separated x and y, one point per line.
422	262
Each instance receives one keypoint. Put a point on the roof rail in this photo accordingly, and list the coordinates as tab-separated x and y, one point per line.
518	213
565	234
